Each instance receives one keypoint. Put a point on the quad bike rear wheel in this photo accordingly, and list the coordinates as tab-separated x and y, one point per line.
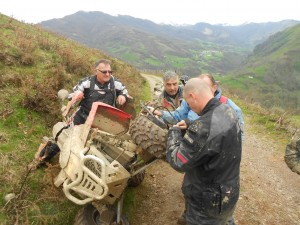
89	215
149	136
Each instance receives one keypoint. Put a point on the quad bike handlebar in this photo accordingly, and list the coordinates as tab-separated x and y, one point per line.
153	118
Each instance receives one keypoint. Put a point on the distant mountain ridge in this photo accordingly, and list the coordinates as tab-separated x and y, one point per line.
148	45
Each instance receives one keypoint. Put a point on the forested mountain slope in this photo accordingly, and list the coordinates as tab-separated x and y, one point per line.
271	74
188	49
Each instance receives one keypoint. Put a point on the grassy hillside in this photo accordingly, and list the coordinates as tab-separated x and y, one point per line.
34	65
271	75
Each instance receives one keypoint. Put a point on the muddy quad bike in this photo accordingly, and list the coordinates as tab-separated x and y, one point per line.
99	159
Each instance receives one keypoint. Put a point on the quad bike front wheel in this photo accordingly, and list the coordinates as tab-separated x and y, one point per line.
89	215
149	136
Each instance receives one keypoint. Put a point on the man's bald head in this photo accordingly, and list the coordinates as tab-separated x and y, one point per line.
197	85
210	80
197	93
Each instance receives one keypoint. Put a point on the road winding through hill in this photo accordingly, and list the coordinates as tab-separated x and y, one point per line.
270	191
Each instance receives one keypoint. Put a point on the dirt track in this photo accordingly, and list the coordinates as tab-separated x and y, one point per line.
270	192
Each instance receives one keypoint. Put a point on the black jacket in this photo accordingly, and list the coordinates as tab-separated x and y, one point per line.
209	153
96	92
106	93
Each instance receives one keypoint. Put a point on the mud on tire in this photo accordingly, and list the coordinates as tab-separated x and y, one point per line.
149	136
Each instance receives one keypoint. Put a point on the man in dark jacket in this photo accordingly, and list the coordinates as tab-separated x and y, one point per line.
210	155
101	87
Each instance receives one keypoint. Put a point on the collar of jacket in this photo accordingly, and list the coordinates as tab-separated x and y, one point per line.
106	84
213	103
218	93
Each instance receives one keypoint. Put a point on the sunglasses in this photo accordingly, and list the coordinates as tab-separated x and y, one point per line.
105	71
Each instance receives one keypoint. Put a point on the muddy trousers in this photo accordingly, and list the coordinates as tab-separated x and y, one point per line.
199	215
230	220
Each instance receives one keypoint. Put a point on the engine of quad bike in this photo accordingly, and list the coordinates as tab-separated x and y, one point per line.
99	157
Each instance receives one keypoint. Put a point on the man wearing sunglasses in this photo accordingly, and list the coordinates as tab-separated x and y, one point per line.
101	87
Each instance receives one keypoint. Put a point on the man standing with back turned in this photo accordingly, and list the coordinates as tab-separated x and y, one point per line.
210	155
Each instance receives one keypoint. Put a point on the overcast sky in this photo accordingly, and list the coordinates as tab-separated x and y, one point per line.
232	12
